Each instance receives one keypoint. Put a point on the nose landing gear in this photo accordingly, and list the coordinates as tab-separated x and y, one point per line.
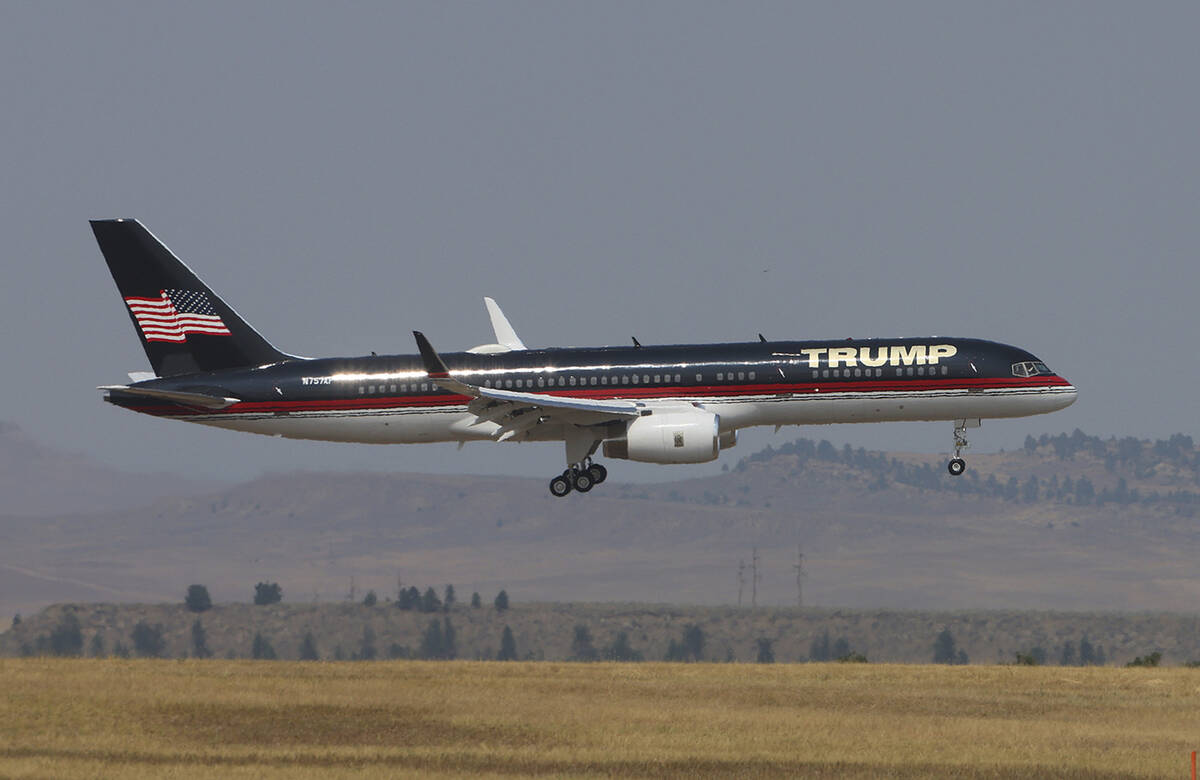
957	465
581	478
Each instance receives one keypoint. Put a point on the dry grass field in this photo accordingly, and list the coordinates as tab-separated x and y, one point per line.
140	718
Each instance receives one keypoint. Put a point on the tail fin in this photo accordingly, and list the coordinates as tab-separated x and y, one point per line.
184	327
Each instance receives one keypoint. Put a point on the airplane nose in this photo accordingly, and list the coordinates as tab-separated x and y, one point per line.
1067	393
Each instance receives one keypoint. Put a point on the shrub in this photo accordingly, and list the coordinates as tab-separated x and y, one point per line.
1150	659
197	598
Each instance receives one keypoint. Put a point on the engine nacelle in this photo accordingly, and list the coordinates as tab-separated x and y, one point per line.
691	436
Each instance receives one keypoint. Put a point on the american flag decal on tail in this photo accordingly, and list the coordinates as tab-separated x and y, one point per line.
175	314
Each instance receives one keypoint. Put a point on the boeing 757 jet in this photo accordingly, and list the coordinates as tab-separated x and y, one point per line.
655	404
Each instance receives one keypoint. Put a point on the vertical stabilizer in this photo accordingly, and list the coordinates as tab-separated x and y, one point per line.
184	327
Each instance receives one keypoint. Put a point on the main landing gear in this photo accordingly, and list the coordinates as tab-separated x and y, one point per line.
957	465
581	477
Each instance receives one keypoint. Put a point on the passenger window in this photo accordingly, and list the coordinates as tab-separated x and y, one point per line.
721	376
658	379
361	390
751	375
371	389
625	379
424	387
816	373
635	379
741	376
921	370
645	379
592	381
910	371
572	380
678	379
699	377
945	370
508	383
899	372
825	373
858	372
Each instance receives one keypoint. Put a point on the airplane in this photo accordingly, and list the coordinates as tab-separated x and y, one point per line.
654	404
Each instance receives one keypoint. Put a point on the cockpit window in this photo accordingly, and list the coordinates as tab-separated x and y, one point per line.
1031	368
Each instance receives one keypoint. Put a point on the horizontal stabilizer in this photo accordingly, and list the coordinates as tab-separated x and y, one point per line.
201	400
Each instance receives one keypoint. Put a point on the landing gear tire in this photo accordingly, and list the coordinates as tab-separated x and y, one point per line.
583	480
956	467
598	473
560	486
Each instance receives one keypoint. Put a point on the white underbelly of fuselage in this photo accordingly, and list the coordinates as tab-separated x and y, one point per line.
455	423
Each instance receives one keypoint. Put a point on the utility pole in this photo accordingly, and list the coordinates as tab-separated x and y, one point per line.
755	578
800	575
741	579
353	590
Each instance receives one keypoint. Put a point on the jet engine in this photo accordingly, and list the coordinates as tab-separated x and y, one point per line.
667	436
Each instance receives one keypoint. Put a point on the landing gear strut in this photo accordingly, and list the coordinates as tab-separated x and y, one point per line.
581	478
957	465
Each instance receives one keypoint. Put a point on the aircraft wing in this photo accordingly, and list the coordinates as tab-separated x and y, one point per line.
517	412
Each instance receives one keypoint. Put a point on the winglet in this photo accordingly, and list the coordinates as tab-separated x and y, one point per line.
433	363
437	369
505	335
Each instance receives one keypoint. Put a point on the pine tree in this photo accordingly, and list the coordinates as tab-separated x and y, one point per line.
819	649
766	653
96	647
581	645
693	642
508	646
308	648
448	598
1068	654
449	649
261	648
148	640
476	602
944	651
197	598
366	649
370	599
67	637
267	593
432	643
430	601
199	641
501	602
1087	654
621	650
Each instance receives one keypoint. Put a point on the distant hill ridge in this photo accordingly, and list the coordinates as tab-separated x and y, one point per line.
1067	522
1166	471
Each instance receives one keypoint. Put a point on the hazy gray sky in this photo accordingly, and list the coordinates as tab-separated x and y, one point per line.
342	174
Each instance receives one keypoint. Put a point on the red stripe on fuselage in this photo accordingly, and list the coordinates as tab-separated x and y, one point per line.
380	402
